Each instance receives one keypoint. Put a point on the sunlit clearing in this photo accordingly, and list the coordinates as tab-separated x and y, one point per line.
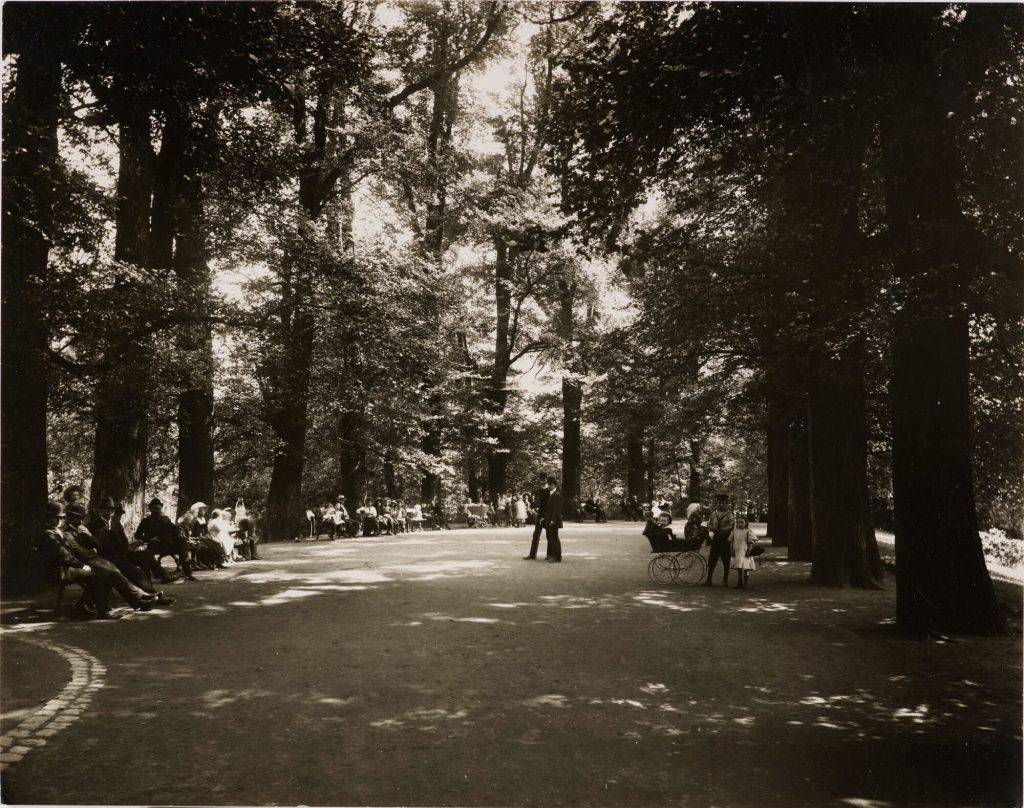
336	576
550	700
440	566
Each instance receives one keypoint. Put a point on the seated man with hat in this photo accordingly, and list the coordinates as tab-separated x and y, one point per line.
71	547
161	538
135	563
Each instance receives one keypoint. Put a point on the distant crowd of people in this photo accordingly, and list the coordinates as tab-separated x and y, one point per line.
375	517
633	510
387	517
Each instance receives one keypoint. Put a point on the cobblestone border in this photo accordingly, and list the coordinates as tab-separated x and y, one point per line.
87	676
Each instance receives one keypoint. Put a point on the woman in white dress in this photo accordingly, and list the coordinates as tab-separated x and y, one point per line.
742	538
519	511
223	532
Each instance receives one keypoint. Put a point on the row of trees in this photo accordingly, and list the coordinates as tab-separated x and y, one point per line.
282	252
837	223
286	251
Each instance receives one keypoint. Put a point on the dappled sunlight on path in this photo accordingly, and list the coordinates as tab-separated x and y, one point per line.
466	668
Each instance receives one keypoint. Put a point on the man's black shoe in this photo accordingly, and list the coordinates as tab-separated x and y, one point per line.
529	558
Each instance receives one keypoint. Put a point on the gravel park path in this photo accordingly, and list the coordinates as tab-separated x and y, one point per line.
442	669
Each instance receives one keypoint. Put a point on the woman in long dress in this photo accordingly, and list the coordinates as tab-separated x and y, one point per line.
519	511
223	532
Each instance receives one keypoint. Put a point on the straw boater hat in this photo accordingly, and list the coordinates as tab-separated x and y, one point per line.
196	506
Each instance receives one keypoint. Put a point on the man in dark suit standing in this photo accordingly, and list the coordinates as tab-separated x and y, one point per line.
553	521
540	502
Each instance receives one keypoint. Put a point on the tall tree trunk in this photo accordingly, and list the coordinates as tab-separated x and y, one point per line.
845	550
473	483
497	396
649	469
635	460
430	482
195	400
288	369
352	460
572	411
778	476
122	395
30	163
798	503
288	410
941	578
695	483
942	582
445	96
391	490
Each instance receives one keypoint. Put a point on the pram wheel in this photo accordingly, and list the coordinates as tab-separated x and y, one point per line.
662	569
690	568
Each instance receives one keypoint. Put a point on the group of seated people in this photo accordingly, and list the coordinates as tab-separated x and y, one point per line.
96	553
220	540
511	510
379	517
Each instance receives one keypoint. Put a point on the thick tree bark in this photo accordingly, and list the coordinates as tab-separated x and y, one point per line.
798	503
942	582
195	446
635	460
122	395
572	412
845	550
122	441
30	162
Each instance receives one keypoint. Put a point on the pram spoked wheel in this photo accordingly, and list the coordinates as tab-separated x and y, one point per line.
662	569
690	568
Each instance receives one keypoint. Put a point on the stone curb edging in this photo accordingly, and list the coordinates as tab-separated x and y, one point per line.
87	676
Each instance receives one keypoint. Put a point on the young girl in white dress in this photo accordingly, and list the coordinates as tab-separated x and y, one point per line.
742	538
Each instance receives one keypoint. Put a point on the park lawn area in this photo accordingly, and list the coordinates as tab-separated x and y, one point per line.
442	669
